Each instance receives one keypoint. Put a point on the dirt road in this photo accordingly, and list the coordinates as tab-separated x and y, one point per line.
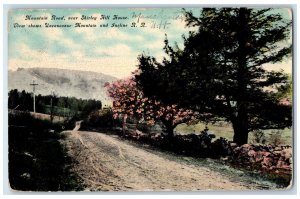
106	163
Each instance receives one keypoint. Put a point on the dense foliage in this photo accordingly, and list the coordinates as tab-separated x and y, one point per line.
129	100
38	161
221	69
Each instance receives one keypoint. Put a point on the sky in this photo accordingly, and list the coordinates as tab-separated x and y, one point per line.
109	50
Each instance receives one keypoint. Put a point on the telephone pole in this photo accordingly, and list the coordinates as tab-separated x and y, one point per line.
51	105
33	84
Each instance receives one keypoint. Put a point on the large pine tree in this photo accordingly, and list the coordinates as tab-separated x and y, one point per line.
221	70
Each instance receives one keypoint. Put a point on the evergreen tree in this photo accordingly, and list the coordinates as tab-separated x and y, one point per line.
220	69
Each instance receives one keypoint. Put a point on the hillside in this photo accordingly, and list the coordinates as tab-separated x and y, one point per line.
70	83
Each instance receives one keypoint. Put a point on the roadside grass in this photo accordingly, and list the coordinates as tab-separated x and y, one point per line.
224	129
37	159
59	111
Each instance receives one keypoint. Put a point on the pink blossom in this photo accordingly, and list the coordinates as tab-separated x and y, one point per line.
127	98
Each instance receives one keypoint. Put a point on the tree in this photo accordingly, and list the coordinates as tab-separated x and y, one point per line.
129	100
286	90
74	105
221	70
26	101
61	102
13	99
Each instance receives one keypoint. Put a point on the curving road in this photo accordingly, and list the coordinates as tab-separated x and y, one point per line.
106	163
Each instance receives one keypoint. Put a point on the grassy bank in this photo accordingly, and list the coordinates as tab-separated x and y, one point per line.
37	159
224	129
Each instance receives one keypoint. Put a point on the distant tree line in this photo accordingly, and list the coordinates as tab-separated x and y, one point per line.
63	106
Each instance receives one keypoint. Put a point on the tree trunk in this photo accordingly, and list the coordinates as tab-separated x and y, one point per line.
124	124
240	126
170	131
135	128
51	110
169	128
240	134
240	121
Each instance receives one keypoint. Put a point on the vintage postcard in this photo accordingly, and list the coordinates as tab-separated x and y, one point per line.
150	99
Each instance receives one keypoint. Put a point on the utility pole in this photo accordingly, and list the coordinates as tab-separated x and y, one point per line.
51	105
33	84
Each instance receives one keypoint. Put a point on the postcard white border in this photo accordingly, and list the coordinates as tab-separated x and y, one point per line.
146	3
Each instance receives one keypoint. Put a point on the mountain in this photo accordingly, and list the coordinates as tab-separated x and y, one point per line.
70	83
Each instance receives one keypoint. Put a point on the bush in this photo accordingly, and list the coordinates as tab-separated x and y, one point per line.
37	159
276	138
144	127
70	123
192	144
275	161
20	118
258	137
100	119
220	147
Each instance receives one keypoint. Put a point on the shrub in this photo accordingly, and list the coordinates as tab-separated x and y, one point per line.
220	147
276	138
144	127
205	138
258	137
101	118
70	123
193	144
20	118
37	159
